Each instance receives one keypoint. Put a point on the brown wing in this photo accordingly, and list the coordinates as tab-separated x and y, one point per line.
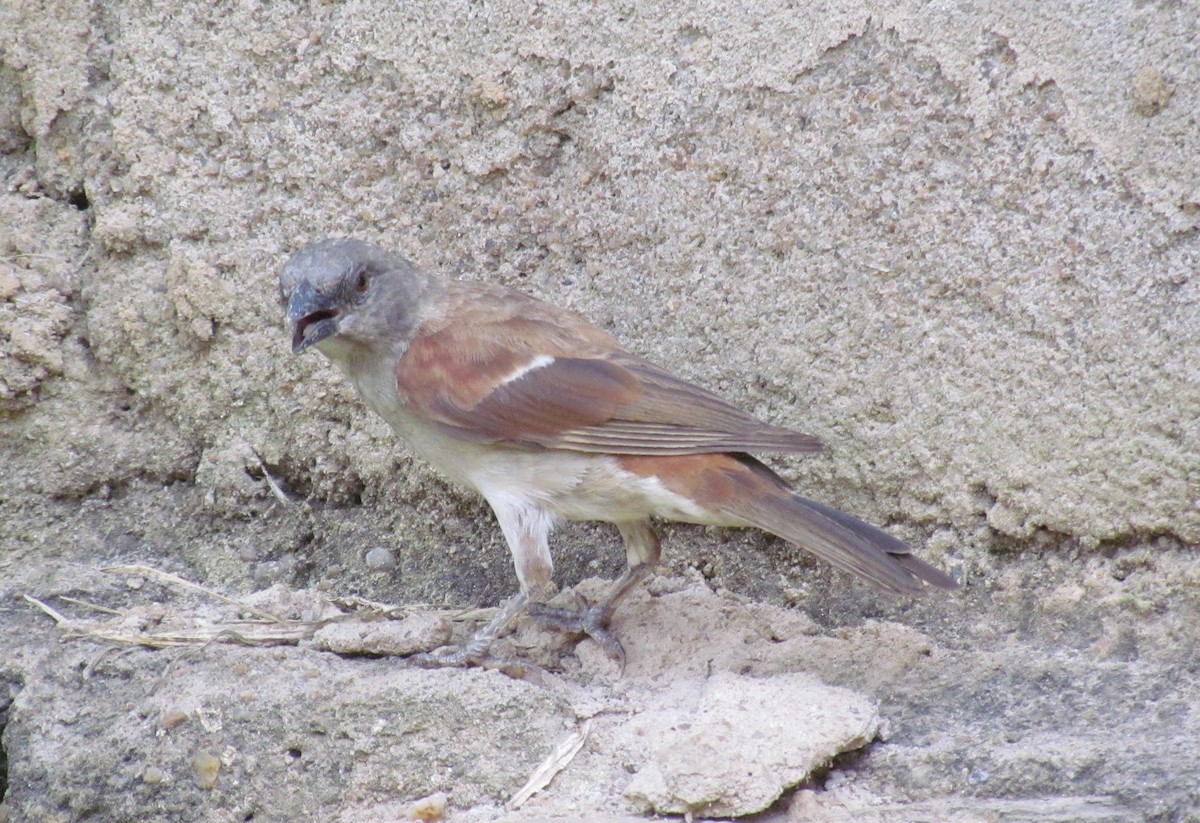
501	366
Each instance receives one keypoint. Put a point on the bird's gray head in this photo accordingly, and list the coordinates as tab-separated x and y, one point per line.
345	294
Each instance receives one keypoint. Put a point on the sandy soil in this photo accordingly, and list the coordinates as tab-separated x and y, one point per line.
952	242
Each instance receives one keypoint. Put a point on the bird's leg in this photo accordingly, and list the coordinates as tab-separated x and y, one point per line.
642	552
527	530
593	620
475	650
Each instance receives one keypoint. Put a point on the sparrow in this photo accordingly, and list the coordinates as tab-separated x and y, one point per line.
550	419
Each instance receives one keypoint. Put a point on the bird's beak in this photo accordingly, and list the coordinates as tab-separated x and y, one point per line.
312	316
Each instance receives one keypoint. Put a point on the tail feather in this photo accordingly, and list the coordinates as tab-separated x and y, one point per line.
845	541
896	550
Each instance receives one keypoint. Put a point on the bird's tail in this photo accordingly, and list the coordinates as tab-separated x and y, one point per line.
847	542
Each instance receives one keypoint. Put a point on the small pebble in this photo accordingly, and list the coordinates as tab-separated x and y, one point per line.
266	572
172	719
429	808
153	776
1150	91
9	283
205	767
380	559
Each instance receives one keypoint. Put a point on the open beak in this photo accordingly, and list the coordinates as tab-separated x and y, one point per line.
312	316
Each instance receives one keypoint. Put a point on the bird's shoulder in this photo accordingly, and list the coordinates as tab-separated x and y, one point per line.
477	317
485	336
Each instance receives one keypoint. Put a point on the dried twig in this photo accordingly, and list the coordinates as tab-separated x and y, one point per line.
248	633
551	766
463	614
167	577
269	630
58	618
276	490
92	606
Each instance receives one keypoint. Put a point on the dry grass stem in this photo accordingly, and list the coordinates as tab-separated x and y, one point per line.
551	766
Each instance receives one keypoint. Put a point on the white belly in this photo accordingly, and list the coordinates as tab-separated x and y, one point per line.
568	485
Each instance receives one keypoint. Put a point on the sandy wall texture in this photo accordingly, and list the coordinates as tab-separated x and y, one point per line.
957	242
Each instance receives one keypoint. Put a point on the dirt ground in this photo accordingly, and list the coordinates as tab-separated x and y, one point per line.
950	241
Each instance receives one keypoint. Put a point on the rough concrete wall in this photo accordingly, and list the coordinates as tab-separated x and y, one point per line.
956	242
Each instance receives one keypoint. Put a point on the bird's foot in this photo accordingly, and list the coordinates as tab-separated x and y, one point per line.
449	657
461	657
591	620
477	650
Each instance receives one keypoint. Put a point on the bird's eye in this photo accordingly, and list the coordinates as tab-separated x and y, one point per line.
361	282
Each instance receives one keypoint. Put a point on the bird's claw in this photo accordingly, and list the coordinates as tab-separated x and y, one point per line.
454	657
590	620
447	657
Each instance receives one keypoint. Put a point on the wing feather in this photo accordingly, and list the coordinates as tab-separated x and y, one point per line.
501	366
